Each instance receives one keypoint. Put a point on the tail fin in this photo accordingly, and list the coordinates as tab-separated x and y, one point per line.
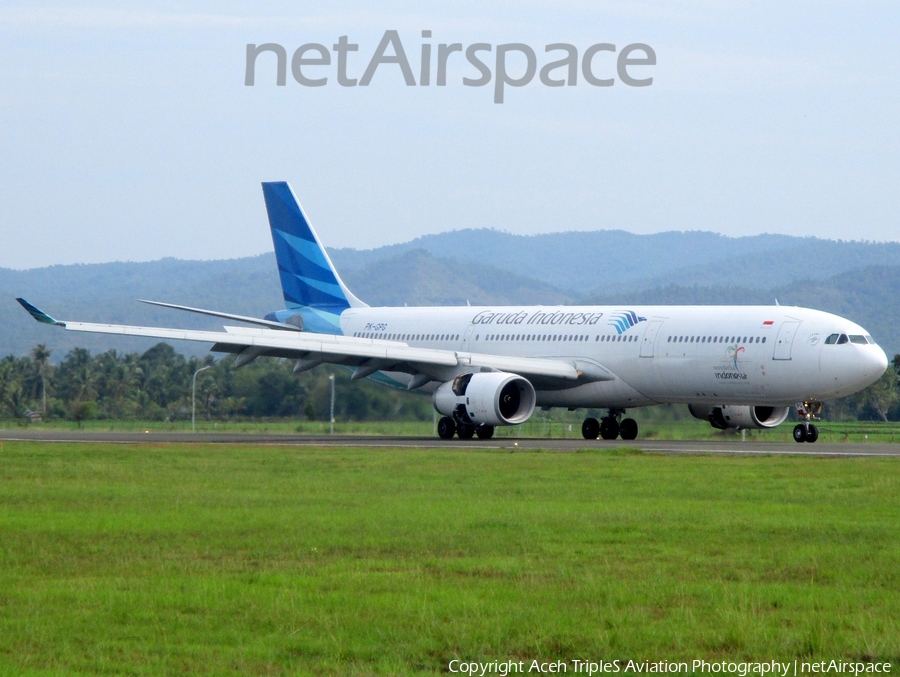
308	278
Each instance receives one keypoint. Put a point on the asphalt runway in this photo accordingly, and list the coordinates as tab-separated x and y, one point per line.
735	447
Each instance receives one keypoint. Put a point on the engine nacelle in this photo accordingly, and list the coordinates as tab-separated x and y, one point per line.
490	398
741	417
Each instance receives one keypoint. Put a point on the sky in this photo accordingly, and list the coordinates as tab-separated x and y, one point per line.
127	131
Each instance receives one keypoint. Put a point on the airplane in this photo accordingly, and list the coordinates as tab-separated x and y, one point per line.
737	367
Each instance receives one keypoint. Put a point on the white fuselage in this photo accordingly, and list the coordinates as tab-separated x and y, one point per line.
742	355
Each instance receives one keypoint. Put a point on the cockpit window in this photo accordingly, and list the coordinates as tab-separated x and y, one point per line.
852	338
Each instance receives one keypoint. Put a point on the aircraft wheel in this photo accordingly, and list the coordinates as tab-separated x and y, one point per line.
628	429
799	433
465	431
609	428
484	432
446	428
590	429
812	434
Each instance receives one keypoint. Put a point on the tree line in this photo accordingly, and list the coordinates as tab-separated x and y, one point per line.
156	386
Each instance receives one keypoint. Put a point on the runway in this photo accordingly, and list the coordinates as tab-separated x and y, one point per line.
718	447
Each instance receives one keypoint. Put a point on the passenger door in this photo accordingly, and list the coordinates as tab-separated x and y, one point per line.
785	340
649	340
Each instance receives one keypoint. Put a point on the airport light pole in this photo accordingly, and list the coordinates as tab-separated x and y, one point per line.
331	378
194	394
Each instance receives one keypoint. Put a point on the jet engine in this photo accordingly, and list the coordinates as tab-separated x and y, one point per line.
742	417
486	398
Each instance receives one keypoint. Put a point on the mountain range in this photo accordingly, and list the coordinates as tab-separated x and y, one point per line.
858	280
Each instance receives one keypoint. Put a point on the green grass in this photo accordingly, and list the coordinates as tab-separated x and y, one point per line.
274	426
142	559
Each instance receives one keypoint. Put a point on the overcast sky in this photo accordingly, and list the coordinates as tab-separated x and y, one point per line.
128	133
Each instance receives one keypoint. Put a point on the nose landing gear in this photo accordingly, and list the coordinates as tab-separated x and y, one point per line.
806	431
610	427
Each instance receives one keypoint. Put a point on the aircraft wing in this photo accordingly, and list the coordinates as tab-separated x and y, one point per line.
366	355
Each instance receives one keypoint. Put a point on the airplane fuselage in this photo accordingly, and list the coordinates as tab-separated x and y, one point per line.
717	355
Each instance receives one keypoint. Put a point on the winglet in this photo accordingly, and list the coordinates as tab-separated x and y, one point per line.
39	314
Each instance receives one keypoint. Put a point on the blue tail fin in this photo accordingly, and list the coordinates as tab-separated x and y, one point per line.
310	284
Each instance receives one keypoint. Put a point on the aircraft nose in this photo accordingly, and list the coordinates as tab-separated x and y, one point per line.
854	368
873	363
879	360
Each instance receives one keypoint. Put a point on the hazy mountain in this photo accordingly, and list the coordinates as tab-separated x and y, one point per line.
614	260
854	279
416	277
106	293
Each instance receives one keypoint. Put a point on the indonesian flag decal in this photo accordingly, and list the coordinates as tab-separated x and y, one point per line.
768	323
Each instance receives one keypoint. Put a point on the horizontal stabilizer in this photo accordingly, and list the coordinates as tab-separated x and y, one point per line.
228	316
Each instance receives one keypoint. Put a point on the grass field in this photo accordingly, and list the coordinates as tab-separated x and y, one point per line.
204	559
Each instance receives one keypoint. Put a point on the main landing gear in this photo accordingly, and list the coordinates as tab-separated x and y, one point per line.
610	427
447	428
806	431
